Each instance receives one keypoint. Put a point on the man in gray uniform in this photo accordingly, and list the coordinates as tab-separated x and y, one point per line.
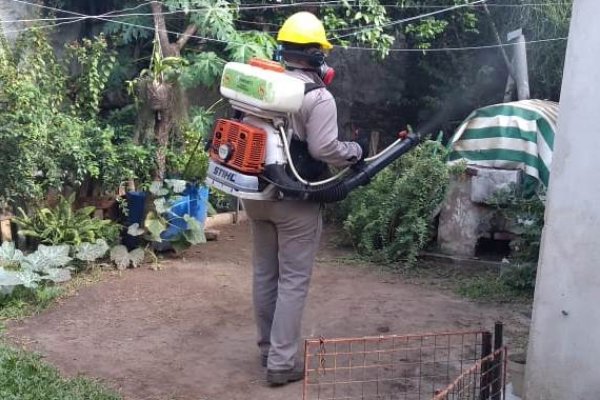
286	234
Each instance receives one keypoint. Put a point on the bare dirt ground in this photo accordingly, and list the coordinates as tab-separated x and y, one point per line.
186	332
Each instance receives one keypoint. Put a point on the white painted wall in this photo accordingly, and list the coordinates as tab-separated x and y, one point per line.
564	350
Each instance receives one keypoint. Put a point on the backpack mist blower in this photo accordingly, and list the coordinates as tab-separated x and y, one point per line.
250	156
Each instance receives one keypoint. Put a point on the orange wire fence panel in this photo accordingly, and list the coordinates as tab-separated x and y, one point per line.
409	367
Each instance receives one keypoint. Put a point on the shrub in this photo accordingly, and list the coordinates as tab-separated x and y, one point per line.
391	219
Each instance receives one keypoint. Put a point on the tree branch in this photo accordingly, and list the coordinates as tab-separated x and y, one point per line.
161	27
185	36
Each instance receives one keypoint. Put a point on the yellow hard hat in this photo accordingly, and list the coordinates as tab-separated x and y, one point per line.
304	28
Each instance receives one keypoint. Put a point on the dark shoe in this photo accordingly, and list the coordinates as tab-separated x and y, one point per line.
282	377
263	360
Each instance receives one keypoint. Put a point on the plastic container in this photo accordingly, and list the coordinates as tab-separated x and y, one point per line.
193	202
516	370
136	204
266	89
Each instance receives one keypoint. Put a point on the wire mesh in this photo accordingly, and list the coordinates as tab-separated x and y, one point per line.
409	367
484	380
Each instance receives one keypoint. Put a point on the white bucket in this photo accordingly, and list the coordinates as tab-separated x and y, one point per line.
516	370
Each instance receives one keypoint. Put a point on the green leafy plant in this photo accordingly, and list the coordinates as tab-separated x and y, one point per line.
204	68
10	256
95	63
61	225
90	252
365	22
47	263
189	160
123	258
46	257
9	279
524	215
50	131
391	219
158	221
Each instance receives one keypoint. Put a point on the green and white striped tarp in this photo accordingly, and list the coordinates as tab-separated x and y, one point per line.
517	135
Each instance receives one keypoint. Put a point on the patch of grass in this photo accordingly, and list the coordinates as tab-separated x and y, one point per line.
23	302
490	287
23	376
513	285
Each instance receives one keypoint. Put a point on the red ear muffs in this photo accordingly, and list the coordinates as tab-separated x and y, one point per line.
327	74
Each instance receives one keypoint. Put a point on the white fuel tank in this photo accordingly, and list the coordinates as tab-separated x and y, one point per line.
265	89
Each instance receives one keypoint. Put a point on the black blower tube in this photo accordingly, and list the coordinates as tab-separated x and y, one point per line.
338	190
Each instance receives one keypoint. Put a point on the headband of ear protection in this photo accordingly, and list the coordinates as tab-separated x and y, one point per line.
314	58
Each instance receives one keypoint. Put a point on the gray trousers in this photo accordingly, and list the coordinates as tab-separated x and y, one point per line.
286	238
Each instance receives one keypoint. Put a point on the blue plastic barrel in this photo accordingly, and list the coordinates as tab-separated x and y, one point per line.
193	202
136	202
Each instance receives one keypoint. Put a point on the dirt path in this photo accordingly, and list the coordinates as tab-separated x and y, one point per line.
186	332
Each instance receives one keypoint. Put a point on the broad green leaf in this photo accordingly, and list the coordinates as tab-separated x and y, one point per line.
29	279
195	231
136	257
36	262
161	205
248	45
156	188
135	230
91	252
8	280
120	256
205	69
155	226
9	254
57	256
177	185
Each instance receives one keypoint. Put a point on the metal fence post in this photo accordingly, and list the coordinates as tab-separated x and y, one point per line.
496	374
486	350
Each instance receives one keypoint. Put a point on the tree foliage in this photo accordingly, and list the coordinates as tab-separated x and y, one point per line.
50	128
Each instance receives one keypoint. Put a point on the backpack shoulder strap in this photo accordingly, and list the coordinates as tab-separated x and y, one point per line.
310	86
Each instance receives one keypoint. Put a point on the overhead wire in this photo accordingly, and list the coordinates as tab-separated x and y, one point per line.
53	25
463	48
362	29
15	21
108	17
335	3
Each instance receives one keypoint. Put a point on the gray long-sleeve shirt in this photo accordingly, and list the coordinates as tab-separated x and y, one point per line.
316	124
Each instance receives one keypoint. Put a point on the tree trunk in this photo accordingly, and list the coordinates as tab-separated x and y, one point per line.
163	118
162	127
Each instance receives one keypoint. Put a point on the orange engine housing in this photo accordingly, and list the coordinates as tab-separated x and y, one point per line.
242	146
